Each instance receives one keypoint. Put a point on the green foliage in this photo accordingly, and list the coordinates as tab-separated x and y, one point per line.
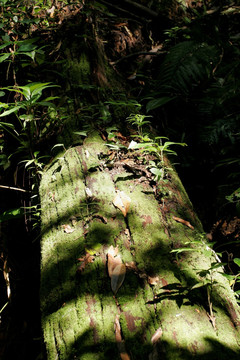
195	92
206	275
159	146
139	121
185	67
26	120
11	214
18	48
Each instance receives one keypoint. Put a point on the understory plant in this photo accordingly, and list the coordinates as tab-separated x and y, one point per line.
158	146
206	276
25	123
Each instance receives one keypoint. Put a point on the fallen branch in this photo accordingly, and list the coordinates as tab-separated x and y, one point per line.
151	53
12	188
142	8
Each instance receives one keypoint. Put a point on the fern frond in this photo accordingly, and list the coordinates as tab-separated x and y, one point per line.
185	66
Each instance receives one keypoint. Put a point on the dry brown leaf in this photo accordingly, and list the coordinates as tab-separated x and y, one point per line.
113	259
131	265
124	356
120	136
117	328
156	336
117	278
153	280
187	223
85	260
122	202
116	269
113	251
68	229
118	336
112	263
6	271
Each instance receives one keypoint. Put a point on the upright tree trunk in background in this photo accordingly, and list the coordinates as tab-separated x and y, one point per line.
155	314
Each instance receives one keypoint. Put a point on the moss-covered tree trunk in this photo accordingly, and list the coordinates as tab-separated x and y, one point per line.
155	313
125	272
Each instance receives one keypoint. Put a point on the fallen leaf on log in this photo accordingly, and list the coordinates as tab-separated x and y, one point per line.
117	328
156	336
132	266
112	263
120	342
86	259
153	280
88	192
122	202
116	269
187	223
67	229
117	278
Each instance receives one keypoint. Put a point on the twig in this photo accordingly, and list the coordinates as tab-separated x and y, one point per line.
12	188
128	13
4	307
211	315
137	54
143	8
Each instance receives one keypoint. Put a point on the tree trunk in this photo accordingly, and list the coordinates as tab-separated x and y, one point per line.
126	272
156	313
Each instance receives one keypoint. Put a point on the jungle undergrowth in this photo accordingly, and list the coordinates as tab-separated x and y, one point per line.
206	276
158	146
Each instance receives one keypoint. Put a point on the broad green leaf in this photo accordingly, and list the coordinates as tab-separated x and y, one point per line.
200	284
30	54
34	89
135	145
156	103
216	265
81	133
37	88
237	261
4	57
168	143
50	98
183	249
7	124
57	145
11	214
156	171
26	117
13	89
229	277
8	112
5	37
28	162
7	43
27	46
3	105
47	103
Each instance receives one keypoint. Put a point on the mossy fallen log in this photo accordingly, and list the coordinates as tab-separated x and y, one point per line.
174	302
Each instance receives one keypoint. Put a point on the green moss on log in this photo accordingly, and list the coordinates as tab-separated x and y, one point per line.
78	307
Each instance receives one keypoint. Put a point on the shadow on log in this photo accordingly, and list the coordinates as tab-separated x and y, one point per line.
174	302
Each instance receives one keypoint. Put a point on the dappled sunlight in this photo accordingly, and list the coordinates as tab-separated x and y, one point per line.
79	308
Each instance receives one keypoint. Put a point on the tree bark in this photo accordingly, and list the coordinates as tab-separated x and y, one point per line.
126	272
155	313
